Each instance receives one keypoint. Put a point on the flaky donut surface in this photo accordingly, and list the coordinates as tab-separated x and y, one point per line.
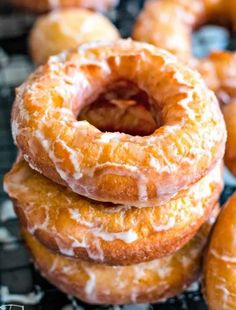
39	6
100	284
116	235
68	28
220	261
142	170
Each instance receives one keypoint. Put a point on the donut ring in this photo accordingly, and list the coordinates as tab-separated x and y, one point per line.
75	226
146	282
41	6
143	170
219	266
65	29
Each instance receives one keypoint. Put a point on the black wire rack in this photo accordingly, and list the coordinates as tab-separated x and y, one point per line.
22	287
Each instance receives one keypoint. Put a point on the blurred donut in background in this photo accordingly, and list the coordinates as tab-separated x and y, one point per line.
169	24
65	29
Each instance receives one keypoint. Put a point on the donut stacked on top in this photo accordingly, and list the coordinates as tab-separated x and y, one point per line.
100	204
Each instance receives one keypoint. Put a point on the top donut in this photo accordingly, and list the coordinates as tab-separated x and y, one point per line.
111	166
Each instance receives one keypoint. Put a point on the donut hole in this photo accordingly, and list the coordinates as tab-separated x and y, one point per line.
123	107
209	38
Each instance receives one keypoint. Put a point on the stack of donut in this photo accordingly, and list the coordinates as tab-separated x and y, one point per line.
118	214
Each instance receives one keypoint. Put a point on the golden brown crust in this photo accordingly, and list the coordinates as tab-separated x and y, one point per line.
143	170
100	284
40	6
66	29
117	235
220	261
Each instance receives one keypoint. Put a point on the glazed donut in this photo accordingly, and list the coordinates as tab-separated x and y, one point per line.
67	29
219	265
147	170
40	6
117	235
146	282
169	24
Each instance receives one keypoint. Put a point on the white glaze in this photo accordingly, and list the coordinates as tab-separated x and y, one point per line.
226	294
14	130
91	283
107	137
127	236
98	255
68	251
75	215
54	265
224	258
171	223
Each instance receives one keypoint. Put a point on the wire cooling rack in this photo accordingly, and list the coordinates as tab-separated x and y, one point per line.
22	287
